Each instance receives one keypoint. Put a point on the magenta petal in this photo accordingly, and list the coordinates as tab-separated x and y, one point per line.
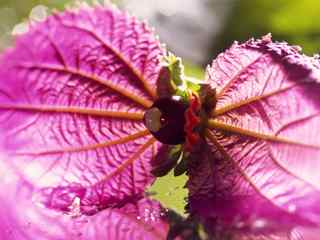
23	219
73	91
264	172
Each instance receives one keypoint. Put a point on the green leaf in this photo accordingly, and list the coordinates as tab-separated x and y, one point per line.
179	82
170	192
176	69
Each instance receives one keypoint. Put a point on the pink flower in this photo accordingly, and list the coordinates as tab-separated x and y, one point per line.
84	99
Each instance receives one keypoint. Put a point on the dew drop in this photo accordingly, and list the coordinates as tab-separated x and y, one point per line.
292	208
259	223
75	210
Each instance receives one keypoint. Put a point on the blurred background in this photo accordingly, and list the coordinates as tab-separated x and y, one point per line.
196	30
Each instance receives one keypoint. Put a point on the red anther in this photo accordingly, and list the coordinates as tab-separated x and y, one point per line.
192	121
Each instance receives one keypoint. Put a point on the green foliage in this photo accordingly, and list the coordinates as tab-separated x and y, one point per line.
294	21
299	21
296	17
179	82
194	71
23	8
169	191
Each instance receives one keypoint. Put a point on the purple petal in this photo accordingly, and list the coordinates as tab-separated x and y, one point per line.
22	218
72	96
265	150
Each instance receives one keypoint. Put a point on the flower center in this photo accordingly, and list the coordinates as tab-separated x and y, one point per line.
166	120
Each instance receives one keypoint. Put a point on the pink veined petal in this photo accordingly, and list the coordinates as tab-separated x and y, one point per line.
226	202
23	219
73	91
265	149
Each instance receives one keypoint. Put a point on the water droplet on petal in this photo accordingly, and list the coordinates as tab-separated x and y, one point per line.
259	223
75	210
292	208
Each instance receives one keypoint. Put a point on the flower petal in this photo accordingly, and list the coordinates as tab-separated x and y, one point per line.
23	219
264	141
72	96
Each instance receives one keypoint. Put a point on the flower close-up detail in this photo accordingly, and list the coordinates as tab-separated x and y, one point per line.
93	108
